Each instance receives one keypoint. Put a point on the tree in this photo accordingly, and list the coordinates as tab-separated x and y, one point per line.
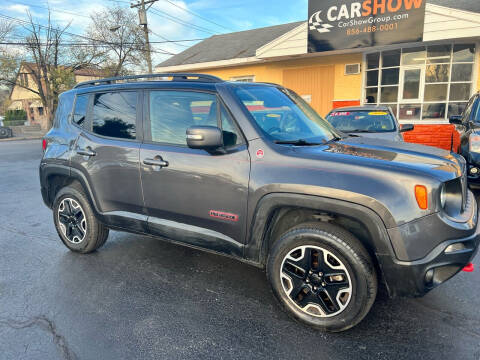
121	38
51	66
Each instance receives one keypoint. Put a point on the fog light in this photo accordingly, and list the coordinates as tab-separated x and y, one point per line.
454	248
474	171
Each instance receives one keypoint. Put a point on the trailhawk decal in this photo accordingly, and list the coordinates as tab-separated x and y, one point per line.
223	215
347	24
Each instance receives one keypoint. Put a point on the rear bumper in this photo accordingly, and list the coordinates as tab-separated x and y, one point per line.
416	278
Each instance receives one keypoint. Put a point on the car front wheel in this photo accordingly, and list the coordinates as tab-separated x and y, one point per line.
323	276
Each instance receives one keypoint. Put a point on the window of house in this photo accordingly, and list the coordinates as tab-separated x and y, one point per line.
173	112
40	111
246	78
80	111
428	83
115	114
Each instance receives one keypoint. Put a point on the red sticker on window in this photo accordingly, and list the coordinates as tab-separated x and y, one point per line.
260	153
341	113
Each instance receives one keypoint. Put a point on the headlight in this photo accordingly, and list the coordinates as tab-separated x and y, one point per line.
451	197
443	196
474	143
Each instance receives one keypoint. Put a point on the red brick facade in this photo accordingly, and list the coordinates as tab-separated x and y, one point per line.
440	136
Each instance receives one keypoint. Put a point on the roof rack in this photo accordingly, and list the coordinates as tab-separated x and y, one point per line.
159	77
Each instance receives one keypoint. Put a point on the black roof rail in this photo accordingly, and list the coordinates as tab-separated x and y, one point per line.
132	78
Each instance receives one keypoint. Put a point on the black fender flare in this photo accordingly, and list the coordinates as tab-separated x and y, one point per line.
256	248
47	170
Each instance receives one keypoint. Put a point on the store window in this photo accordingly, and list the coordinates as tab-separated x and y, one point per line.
246	78
428	83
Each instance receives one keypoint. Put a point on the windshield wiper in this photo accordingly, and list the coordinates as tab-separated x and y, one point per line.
299	142
360	131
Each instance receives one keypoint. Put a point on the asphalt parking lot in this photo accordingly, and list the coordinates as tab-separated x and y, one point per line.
141	298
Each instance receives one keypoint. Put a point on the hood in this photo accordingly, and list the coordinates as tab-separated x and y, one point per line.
389	155
391	135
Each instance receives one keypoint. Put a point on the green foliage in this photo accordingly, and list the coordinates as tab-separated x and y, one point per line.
15	117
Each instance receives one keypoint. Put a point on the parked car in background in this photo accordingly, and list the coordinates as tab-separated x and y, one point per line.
251	171
368	121
5	132
468	124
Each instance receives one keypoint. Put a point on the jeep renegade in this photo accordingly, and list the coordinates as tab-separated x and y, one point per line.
249	170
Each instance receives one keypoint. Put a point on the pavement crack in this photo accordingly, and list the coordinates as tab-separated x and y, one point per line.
46	324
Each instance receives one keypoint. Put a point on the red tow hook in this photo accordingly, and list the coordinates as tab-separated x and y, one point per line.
468	268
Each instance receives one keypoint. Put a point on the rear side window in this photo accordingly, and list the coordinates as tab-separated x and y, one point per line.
115	114
80	111
64	108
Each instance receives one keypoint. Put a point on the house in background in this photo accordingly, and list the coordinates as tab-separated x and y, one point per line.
22	98
443	69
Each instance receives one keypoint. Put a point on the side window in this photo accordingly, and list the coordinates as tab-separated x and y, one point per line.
476	116
80	112
173	112
115	114
64	108
468	110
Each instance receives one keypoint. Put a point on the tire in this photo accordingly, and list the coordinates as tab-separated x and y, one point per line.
331	295
85	233
4	132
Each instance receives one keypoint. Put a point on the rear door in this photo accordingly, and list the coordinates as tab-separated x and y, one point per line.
107	154
194	196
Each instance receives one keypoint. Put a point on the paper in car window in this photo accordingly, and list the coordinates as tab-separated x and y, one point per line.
378	113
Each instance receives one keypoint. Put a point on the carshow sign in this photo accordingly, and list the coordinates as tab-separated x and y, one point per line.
350	24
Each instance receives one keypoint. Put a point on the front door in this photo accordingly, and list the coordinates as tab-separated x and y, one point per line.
192	195
412	79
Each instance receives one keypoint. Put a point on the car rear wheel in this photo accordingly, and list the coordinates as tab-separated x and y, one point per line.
75	221
323	276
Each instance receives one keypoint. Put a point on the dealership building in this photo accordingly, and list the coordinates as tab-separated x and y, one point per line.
425	69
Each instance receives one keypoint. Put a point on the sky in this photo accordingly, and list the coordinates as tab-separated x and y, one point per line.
199	18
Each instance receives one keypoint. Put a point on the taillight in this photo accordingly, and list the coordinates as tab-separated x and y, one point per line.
421	195
44	145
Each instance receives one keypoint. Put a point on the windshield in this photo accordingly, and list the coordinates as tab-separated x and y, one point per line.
362	121
283	115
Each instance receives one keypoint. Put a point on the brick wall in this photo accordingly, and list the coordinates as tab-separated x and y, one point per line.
434	135
341	103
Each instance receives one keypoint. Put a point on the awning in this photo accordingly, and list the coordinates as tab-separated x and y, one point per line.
15	105
36	104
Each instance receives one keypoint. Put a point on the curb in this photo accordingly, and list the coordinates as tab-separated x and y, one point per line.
21	138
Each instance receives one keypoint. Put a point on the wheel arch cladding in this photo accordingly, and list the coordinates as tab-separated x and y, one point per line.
276	213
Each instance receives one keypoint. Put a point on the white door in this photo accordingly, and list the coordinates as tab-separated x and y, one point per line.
412	80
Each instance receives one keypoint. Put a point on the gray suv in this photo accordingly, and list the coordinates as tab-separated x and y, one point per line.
252	172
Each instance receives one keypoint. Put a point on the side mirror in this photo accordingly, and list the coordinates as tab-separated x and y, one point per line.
406	127
204	137
456	120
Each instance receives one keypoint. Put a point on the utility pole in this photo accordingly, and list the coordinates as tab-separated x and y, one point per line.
142	16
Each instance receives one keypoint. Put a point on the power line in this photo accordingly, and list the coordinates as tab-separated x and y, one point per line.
197	15
97	41
48	8
177	20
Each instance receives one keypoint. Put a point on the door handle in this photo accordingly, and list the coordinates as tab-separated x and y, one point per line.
157	161
86	152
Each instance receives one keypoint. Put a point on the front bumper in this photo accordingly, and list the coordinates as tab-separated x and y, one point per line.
416	278
422	261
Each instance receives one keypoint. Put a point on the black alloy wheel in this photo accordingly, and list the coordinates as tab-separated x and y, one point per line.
316	281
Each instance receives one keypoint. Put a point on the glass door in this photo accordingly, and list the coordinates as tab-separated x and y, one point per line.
412	80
